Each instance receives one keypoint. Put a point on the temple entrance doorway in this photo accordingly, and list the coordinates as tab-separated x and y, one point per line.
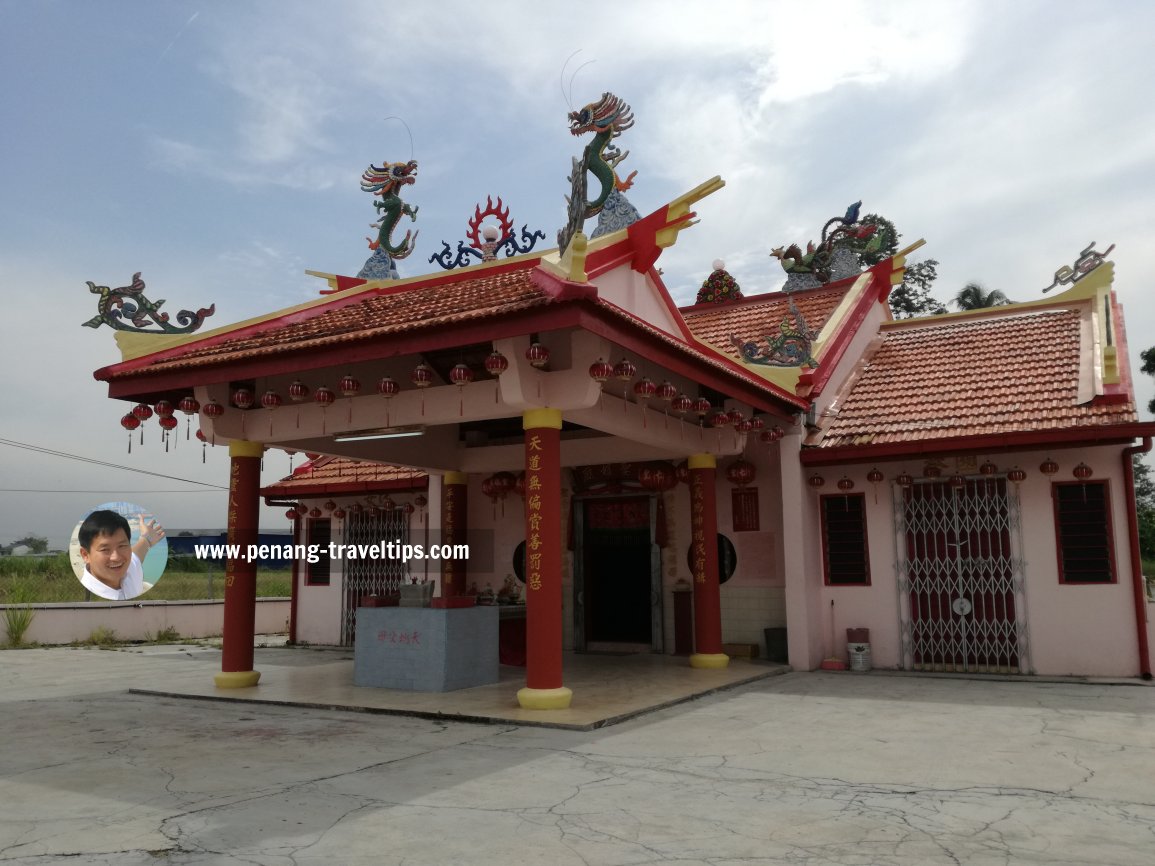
617	575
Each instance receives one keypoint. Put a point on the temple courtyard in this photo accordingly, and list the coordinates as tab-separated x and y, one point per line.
107	759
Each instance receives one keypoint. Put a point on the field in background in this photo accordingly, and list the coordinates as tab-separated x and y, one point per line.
44	579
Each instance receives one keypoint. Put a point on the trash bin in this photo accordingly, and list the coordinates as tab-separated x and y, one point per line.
776	645
859	656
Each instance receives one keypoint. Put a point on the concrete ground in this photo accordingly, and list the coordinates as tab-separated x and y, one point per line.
829	768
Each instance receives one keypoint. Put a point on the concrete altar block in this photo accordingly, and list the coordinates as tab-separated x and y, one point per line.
426	649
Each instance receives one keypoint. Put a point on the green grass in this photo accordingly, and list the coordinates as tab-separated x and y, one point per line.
43	579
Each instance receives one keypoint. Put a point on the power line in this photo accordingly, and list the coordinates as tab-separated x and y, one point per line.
38	449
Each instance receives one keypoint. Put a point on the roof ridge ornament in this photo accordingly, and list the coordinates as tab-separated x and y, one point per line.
1089	259
128	302
386	180
607	118
791	348
821	261
485	242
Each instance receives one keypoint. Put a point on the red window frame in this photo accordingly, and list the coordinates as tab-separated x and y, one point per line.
824	503
1108	531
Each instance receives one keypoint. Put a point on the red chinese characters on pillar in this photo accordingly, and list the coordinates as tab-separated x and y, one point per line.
241	575
453	529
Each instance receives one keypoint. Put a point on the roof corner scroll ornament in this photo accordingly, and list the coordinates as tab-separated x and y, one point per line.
607	118
387	180
1087	261
127	309
823	262
485	242
790	348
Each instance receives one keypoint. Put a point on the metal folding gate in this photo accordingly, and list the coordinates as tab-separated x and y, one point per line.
961	599
371	575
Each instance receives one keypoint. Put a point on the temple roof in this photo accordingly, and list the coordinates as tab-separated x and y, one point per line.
754	316
990	373
335	475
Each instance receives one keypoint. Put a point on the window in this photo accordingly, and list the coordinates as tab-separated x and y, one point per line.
320	533
844	539
1083	531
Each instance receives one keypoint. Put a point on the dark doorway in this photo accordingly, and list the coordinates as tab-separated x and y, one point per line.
617	570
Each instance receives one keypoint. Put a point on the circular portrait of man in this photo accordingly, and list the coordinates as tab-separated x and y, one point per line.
118	551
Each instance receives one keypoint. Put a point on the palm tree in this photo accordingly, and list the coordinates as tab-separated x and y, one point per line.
975	297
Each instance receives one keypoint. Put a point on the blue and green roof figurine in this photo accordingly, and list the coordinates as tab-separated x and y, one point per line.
386	181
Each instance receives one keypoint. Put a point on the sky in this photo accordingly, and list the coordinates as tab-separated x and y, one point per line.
217	148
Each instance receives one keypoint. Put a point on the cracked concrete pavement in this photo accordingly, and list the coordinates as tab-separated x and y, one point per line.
803	768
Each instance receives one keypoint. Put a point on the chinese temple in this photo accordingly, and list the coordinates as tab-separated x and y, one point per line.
767	470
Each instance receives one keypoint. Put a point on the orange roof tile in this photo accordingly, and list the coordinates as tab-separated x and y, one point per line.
375	313
331	474
754	317
992	375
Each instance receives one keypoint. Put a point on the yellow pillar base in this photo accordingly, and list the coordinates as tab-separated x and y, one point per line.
709	660
236	679
545	699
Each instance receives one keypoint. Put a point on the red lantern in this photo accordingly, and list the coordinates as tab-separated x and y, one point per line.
988	469
129	422
702	406
271	400
408	509
519	484
718	418
164	408
204	444
772	433
600	371
875	476
682	404
387	504
815	481
667	392
329	505
292	514
745	425
537	355
324	397
420	500
190	406
736	417
645	389
496	363
1048	467
904	479
355	508
845	484
349	386
168	422
387	387
740	472
931	471
243	398
315	513
957	482
1082	472
422	376
298	391
142	411
339	513
461	375
757	423
503	482
1017	475
625	370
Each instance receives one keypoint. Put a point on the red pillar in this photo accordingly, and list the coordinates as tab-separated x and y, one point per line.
453	530
543	541
704	527
240	575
